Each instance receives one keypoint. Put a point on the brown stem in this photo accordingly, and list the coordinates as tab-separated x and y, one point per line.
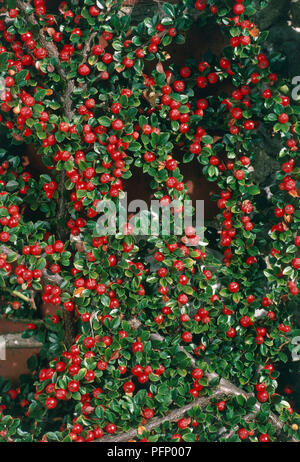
225	388
67	99
247	418
87	47
172	416
62	233
52	52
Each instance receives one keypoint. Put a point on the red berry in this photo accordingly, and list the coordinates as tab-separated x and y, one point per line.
245	321
233	287
187	337
197	374
184	422
221	405
264	438
128	387
51	403
262	396
111	428
283	118
84	69
243	434
231	333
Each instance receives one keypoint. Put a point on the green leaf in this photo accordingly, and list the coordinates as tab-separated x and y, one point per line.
3	58
32	363
253	190
12	185
20	76
169	9
52	436
105	121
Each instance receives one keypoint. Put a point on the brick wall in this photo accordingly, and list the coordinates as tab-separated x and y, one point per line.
17	350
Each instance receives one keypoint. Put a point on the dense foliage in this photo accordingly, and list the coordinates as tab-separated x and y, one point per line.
194	338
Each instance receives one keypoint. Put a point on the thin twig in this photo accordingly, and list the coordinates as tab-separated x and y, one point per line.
225	388
18	294
172	416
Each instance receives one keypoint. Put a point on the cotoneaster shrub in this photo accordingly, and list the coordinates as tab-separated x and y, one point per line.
182	352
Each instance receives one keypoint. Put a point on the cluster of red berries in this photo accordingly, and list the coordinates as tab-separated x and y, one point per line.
11	219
